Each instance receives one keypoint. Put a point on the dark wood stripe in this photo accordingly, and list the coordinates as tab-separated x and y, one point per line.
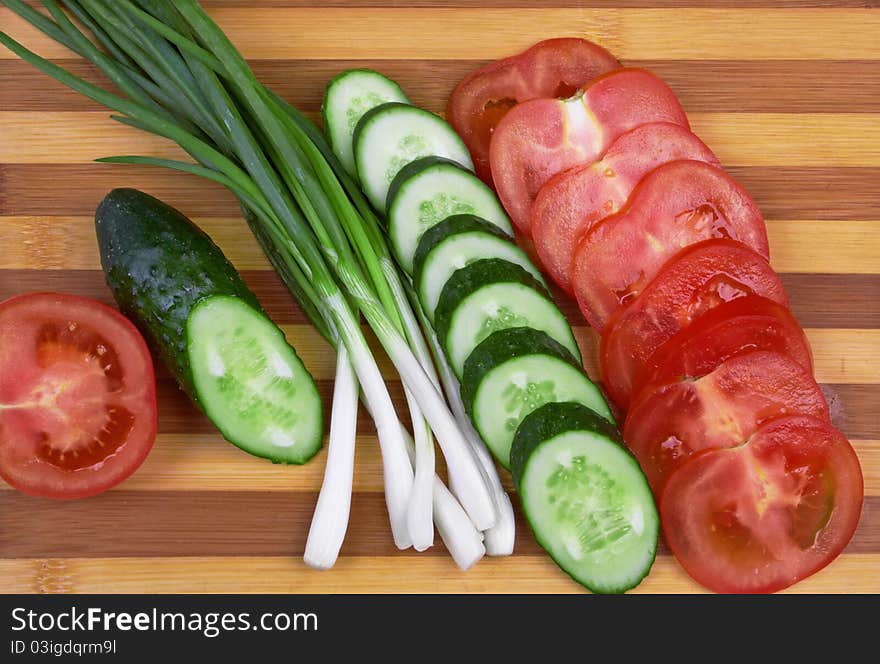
252	524
177	523
854	409
810	86
818	300
782	192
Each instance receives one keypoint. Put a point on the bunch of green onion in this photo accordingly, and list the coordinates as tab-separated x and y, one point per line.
179	76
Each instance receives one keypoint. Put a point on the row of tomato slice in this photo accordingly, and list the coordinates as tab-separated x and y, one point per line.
668	258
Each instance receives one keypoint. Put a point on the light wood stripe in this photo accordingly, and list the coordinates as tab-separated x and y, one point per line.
839	356
388	33
67	242
206	462
739	139
803	246
393	574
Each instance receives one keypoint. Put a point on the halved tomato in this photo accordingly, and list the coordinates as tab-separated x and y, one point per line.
699	278
742	325
550	68
542	137
763	515
77	396
674	419
573	201
676	205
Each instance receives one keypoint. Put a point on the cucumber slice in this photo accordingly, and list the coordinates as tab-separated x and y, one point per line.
392	135
494	294
251	383
512	373
452	244
585	497
348	97
427	191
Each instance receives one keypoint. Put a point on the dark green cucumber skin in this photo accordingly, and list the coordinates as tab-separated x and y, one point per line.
549	421
159	265
502	346
414	167
457	223
471	278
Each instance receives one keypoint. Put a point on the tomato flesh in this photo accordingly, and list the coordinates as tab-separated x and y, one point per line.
676	205
696	280
77	396
542	137
550	68
674	419
763	515
742	325
573	201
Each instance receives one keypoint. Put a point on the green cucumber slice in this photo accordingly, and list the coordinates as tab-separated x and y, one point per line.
512	373
347	99
251	383
427	191
585	497
493	294
452	244
392	135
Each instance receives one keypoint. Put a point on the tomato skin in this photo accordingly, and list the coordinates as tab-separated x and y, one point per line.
760	517
676	205
78	390
697	279
742	325
550	68
542	137
573	201
674	419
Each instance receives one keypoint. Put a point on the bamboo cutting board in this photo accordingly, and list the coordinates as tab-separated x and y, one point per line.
786	92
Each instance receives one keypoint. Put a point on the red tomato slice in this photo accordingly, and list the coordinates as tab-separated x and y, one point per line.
673	420
768	513
742	325
77	396
573	201
542	137
550	68
676	205
696	280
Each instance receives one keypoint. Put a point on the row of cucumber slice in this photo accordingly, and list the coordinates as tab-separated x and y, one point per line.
518	362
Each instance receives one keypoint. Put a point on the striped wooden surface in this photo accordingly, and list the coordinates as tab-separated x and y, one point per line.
787	92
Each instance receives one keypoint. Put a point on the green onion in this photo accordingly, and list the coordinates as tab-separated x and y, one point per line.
181	78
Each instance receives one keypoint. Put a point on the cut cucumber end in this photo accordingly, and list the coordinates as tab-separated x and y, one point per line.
251	383
585	498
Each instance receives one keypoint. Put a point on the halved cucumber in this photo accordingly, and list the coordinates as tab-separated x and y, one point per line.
494	294
251	383
452	244
392	135
348	97
513	372
427	191
585	497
